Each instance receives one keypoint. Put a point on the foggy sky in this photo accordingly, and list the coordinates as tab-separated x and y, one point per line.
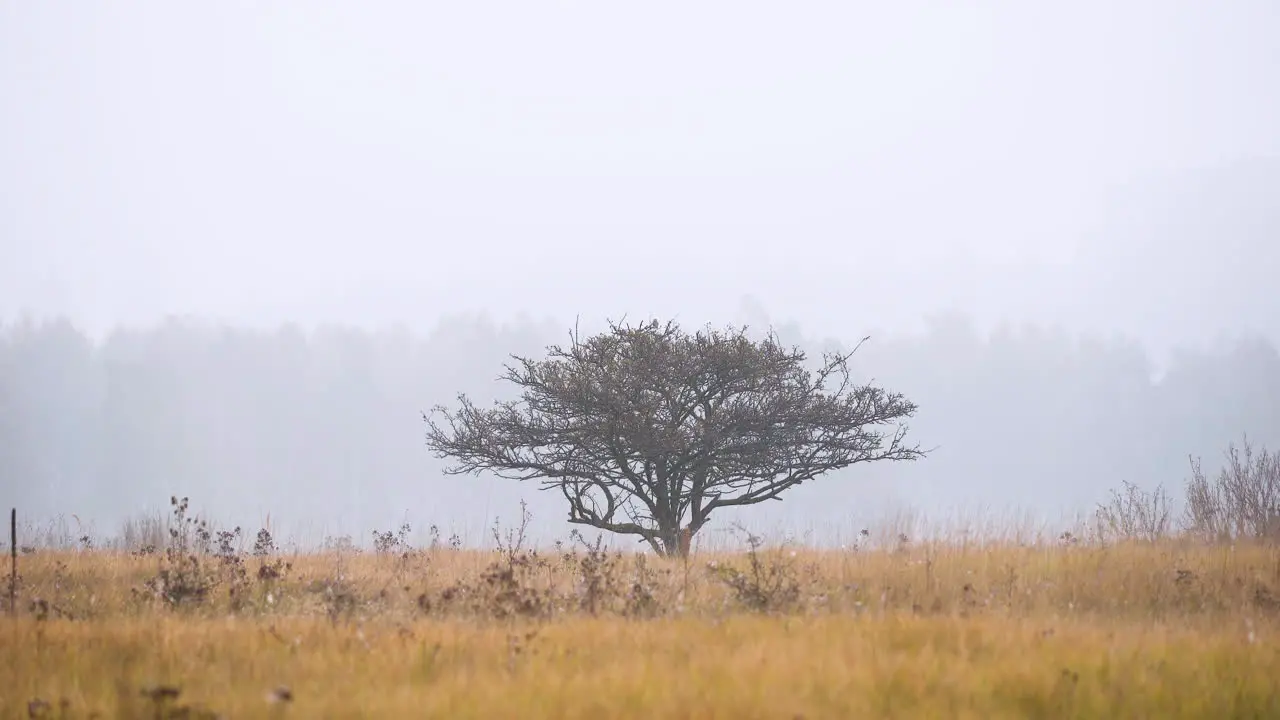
389	162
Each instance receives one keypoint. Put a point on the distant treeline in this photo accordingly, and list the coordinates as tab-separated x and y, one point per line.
325	427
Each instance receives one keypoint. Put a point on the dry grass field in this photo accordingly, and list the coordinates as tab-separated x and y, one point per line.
1058	629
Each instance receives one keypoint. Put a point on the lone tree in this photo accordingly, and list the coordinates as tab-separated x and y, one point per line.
643	428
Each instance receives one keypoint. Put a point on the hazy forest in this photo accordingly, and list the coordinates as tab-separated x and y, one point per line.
325	426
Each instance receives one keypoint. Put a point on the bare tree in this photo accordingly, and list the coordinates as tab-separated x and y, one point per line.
1243	501
643	428
1135	514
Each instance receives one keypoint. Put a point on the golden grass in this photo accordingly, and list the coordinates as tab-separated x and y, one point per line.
1172	630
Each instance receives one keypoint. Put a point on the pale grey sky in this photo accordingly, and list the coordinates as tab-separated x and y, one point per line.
851	165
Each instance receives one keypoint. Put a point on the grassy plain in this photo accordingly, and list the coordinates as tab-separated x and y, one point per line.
1165	630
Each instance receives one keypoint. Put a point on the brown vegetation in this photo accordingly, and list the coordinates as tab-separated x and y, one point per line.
1172	628
1133	614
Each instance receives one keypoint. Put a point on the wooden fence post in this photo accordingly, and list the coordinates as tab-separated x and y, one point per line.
13	557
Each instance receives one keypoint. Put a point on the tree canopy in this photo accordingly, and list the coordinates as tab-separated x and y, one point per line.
648	430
